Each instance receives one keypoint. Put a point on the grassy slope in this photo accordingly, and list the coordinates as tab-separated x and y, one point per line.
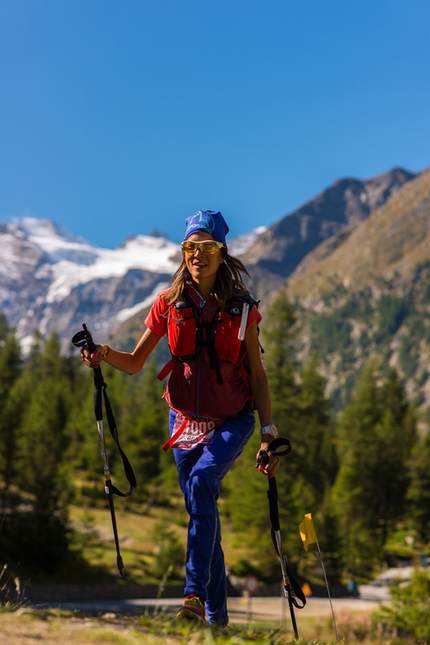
138	538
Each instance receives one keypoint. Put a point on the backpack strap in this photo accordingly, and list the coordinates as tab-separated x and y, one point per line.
165	371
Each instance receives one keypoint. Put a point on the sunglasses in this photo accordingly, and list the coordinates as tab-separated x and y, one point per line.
207	246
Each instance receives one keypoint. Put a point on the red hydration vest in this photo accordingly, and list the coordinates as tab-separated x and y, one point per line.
223	335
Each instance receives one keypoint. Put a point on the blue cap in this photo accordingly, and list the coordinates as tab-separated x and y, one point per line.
211	222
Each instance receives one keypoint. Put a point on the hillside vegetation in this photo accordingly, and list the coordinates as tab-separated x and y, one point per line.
365	292
50	462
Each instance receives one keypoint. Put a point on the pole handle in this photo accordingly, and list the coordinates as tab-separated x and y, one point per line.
84	339
274	449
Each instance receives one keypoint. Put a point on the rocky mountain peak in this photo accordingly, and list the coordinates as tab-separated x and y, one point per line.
278	251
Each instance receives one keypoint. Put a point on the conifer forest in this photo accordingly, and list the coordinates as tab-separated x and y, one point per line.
362	471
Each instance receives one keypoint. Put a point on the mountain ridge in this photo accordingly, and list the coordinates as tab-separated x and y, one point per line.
52	280
277	252
365	293
352	245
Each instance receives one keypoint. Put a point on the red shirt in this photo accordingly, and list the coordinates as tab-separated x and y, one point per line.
193	388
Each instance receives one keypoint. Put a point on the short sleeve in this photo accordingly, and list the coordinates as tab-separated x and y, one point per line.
156	320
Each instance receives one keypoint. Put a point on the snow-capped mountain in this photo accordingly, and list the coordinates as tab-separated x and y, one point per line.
239	245
51	279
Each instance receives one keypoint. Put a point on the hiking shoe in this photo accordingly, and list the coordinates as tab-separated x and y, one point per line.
193	609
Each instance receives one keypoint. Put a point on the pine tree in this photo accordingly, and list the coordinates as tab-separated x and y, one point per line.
35	538
278	336
83	451
302	413
10	368
330	540
376	433
42	441
418	496
396	435
316	446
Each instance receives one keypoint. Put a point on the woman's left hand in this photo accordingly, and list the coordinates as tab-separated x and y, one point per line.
271	467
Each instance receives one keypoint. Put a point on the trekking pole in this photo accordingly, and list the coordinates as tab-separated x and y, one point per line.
292	589
83	339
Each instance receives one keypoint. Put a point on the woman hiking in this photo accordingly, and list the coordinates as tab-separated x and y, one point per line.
217	379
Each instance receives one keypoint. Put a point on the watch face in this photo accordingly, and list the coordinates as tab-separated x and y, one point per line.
270	430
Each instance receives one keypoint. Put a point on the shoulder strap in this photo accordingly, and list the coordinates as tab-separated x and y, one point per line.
244	298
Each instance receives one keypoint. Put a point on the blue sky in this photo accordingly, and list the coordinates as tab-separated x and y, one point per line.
121	117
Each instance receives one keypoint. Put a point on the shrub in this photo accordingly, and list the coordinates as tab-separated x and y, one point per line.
409	613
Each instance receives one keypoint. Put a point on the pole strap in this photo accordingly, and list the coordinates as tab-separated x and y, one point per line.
297	596
280	447
101	395
84	339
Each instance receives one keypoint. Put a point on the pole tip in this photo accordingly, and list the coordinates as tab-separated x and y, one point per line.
120	565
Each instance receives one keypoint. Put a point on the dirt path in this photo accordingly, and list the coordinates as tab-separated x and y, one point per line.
241	610
272	609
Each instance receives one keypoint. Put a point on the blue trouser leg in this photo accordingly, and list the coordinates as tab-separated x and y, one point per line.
217	589
200	472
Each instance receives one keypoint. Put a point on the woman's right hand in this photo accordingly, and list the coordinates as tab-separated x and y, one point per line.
92	359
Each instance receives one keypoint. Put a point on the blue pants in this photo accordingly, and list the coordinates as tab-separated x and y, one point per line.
200	472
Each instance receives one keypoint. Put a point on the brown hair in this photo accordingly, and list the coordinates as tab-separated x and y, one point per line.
228	280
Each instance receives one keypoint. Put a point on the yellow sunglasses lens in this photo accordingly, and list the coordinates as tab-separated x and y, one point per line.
205	247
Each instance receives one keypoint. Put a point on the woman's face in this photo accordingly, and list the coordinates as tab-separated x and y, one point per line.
203	267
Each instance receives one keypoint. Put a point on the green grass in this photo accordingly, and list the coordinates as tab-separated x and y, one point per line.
74	628
139	536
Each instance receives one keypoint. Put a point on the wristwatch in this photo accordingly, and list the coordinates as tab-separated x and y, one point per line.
270	429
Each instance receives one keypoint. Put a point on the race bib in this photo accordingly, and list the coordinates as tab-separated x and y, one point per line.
187	432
